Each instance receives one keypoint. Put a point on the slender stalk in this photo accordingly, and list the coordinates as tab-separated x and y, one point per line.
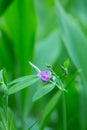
7	111
5	108
60	85
64	112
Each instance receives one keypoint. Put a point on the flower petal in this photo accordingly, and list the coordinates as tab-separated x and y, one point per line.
45	75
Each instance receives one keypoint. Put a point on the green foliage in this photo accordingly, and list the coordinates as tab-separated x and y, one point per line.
25	82
66	63
49	108
43	91
74	40
4	5
44	32
3	82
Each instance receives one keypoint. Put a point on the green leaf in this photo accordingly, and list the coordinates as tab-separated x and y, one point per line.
3	87
4	5
43	91
6	50
47	35
49	109
23	84
74	39
5	76
23	34
1	126
32	125
3	119
24	29
21	79
66	63
76	45
11	120
1	76
81	11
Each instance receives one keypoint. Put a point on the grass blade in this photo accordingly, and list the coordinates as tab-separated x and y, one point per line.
43	91
49	109
21	85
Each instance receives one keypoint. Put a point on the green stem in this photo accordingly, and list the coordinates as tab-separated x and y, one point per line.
7	111
5	108
64	112
63	97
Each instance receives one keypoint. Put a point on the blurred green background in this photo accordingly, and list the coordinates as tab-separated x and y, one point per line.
46	32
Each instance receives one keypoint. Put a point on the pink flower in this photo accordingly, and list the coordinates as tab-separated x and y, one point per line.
45	75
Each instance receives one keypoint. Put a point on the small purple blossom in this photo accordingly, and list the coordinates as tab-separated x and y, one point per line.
45	75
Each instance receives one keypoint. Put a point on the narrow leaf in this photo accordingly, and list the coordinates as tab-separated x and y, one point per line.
74	39
21	85
43	91
76	45
49	109
21	79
